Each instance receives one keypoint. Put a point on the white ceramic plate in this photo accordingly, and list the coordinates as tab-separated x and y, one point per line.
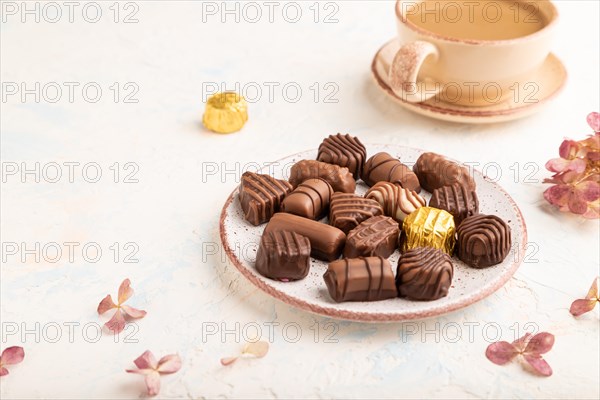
240	240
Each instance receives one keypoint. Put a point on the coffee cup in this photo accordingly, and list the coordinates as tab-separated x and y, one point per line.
469	52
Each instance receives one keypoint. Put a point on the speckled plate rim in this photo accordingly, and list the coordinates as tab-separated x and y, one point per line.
475	115
374	316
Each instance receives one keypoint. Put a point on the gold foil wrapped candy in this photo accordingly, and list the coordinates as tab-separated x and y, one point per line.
225	112
428	227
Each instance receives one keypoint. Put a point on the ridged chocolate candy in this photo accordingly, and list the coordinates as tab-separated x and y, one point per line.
428	227
424	273
360	279
483	240
283	255
382	167
396	201
435	171
261	196
309	200
326	241
458	200
347	211
377	236
345	151
339	178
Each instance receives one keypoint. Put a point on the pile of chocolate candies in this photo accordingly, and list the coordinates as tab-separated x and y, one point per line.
365	230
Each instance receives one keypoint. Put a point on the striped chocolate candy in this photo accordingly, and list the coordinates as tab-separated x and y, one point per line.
345	151
458	200
261	195
483	240
382	167
347	210
396	201
377	236
309	200
424	273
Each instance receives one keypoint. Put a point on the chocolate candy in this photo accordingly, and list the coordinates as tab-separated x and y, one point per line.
384	167
424	273
309	200
326	242
339	178
345	151
458	200
347	210
483	240
261	195
225	112
377	236
396	201
283	255
435	171
428	227
360	279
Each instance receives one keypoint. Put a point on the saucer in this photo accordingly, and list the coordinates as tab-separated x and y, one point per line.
548	82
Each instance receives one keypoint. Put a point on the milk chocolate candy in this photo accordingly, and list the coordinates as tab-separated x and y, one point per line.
377	236
309	200
458	200
326	242
483	240
428	227
424	273
435	171
360	279
261	196
345	151
339	178
382	167
347	210
396	201
283	255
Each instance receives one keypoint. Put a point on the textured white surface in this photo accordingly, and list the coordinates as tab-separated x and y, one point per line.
172	213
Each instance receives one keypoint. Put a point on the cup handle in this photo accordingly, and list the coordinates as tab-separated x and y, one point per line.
405	70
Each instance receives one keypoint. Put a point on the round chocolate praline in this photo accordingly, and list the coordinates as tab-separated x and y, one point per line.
483	240
424	273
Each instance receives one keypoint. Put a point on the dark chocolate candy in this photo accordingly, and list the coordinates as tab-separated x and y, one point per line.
261	196
339	178
396	201
326	242
283	255
377	236
424	273
458	200
483	240
309	200
347	210
345	151
435	171
382	167
360	279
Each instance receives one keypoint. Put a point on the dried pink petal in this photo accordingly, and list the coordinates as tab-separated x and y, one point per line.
3	371
581	306
538	364
12	355
106	304
125	291
589	190
257	349
540	344
557	195
501	352
568	149
521	343
560	165
152	370
228	360
593	211
116	323
169	364
152	381
146	361
577	205
593	120
133	312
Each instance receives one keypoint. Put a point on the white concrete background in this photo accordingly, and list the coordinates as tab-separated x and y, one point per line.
172	213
